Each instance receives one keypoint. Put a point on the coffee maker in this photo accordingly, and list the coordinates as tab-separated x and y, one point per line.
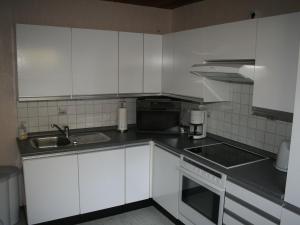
197	126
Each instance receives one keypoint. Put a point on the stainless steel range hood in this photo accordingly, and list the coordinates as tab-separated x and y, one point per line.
233	71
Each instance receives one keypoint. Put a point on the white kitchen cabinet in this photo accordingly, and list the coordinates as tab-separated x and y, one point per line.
168	83
183	49
229	41
276	63
130	62
43	61
245	207
152	63
289	218
94	61
165	180
137	173
51	186
101	179
292	183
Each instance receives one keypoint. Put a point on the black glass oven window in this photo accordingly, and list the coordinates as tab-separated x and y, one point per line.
200	199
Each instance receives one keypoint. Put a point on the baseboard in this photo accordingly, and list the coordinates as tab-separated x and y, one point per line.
166	213
111	212
100	214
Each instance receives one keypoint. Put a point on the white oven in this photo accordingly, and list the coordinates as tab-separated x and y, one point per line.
202	193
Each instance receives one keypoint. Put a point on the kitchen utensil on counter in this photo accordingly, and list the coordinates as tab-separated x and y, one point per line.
122	117
282	160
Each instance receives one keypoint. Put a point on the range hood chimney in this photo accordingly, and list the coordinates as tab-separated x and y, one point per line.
233	71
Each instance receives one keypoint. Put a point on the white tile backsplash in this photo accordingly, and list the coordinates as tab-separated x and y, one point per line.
38	116
234	120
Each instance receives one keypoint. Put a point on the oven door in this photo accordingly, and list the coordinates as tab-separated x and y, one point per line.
200	202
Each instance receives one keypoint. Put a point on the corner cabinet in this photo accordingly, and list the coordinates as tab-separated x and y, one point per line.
94	62
51	187
101	179
277	52
137	173
183	49
43	61
152	63
130	62
165	180
289	218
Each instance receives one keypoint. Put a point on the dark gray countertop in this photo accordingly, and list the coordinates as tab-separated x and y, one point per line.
261	177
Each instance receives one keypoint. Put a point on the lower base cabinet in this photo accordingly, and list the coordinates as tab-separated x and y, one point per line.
137	161
51	187
165	183
101	179
289	218
245	207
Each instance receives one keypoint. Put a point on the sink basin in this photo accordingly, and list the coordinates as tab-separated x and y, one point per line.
49	142
89	138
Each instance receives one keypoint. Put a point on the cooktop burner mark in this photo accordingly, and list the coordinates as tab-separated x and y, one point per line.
226	155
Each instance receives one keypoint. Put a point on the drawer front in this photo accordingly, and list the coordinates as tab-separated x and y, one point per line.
230	219
254	199
251	216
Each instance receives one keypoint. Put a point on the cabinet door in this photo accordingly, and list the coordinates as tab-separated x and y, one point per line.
165	183
137	173
168	83
152	63
51	186
43	61
101	180
276	62
94	62
229	41
292	183
130	62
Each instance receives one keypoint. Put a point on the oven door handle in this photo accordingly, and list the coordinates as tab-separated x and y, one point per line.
205	183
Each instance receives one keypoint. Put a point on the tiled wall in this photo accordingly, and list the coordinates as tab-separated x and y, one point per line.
38	116
228	119
234	120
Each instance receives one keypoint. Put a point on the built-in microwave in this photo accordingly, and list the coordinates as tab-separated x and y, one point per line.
158	115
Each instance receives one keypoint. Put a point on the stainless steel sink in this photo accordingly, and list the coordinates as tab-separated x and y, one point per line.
89	138
49	142
76	139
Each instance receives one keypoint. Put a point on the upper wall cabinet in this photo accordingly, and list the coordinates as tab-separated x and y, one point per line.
276	62
152	63
168	84
44	61
130	62
183	49
94	62
228	41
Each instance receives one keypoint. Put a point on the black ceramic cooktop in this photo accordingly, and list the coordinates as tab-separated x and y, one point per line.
225	155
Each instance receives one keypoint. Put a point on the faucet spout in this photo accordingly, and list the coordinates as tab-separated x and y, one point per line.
65	131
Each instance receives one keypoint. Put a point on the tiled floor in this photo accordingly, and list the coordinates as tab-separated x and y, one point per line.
145	216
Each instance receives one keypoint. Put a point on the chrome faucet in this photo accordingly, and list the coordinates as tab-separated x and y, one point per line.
65	131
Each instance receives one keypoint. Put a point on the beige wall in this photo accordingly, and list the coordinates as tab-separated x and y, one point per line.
94	14
211	12
8	149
